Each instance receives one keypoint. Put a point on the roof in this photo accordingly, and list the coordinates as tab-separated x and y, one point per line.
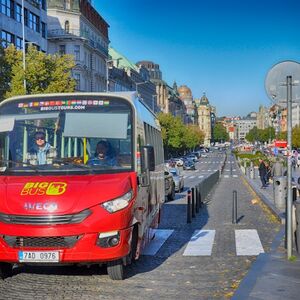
123	62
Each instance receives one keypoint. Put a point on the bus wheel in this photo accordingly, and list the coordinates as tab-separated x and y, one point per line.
5	270
115	270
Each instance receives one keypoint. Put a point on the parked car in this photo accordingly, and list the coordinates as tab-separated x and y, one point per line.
179	162
192	157
189	165
178	179
169	186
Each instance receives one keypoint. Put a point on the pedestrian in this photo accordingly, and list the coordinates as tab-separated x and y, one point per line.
262	173
268	173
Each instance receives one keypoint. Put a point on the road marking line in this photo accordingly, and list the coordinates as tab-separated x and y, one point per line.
216	170
161	235
192	177
234	175
226	176
247	242
208	170
201	176
201	243
184	176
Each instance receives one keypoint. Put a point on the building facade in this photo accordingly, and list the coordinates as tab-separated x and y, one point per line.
263	118
35	23
243	126
185	94
76	28
205	111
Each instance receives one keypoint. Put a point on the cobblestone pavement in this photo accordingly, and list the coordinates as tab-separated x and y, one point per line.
168	274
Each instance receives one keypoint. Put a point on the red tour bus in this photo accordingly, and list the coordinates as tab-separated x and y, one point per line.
65	201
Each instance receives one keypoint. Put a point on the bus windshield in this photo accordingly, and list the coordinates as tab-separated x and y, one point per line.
66	136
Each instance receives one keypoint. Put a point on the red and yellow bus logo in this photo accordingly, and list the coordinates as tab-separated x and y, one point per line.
43	188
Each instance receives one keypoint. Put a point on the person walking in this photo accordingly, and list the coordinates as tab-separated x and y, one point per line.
277	168
262	173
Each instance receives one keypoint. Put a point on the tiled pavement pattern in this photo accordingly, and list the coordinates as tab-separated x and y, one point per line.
168	274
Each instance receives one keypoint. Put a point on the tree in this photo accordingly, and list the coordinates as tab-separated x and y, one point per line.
4	74
193	137
220	133
296	136
44	73
172	132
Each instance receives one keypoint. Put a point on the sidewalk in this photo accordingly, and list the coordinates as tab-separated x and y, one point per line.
271	276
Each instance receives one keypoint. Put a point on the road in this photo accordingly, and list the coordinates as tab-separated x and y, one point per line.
205	259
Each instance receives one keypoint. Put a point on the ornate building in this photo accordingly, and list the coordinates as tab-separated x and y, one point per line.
185	94
76	28
205	112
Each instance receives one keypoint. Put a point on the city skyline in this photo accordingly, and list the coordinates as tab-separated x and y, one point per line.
224	49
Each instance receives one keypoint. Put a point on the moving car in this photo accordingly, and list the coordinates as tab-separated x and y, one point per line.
189	165
178	179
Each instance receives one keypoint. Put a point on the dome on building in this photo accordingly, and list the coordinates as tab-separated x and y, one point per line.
204	100
184	91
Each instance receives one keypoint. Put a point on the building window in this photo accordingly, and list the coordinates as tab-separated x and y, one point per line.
44	31
43	4
67	4
34	22
67	26
77	52
62	49
6	39
7	8
19	13
19	43
77	78
26	16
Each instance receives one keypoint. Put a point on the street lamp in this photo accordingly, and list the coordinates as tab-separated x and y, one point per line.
23	43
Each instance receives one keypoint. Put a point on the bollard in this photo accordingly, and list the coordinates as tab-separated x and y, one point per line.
234	207
230	168
189	219
197	199
193	203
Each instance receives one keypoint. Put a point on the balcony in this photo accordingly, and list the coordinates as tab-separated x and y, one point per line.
73	33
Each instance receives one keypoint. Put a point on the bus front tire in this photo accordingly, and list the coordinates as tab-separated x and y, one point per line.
5	270
115	269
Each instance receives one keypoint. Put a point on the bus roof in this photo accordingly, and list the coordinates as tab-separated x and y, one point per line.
143	111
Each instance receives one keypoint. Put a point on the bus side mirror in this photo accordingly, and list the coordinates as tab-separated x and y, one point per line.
147	158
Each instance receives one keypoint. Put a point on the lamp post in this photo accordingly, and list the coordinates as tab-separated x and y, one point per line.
23	46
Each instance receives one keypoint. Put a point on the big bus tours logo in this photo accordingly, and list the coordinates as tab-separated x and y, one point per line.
43	188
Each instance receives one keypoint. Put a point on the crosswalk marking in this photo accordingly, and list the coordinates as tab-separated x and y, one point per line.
247	242
234	175
201	243
226	176
192	177
161	235
200	176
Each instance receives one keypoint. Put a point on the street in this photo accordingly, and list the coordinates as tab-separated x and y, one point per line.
202	260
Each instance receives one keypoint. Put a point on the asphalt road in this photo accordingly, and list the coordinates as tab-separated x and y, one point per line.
199	260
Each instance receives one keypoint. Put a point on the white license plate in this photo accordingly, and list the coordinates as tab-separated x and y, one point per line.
38	256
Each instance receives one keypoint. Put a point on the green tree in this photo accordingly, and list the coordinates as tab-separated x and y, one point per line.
173	131
44	73
296	137
193	137
4	74
252	135
220	133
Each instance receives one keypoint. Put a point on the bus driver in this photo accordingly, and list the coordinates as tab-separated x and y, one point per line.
104	155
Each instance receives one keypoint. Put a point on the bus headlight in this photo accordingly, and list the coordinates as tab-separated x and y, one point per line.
118	203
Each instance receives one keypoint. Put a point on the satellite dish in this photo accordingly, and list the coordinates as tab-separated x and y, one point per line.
275	83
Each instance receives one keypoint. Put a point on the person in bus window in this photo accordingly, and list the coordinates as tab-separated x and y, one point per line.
42	152
104	155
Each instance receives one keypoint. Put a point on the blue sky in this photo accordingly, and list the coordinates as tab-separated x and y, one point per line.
224	48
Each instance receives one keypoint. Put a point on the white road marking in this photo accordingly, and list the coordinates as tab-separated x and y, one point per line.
226	176
234	175
201	243
161	235
247	242
192	177
201	176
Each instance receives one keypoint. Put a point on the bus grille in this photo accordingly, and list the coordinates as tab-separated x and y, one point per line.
45	219
41	242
